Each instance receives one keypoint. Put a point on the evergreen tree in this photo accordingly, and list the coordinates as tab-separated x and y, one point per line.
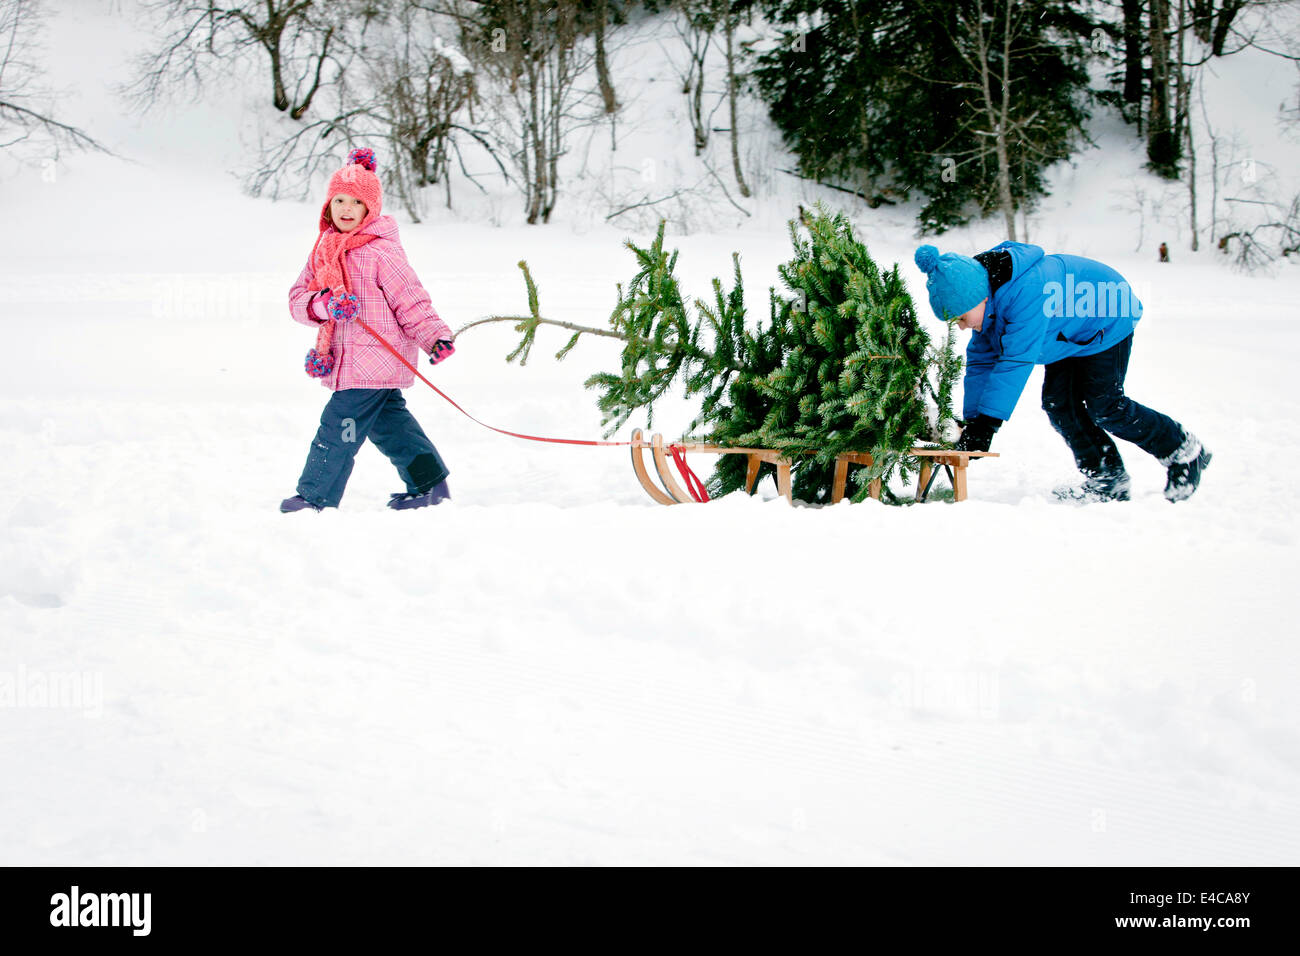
660	342
877	94
843	364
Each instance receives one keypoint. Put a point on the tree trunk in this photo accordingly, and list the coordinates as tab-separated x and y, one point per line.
602	68
1181	79
278	96
698	33
1004	159
533	140
302	107
731	96
1004	185
865	177
1184	121
1162	147
1223	24
553	127
1191	187
997	114
697	109
1133	51
1214	167
1202	19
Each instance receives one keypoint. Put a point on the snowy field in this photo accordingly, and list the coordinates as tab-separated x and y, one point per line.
551	668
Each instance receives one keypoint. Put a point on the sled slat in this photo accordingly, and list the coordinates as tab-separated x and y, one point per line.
643	476
666	475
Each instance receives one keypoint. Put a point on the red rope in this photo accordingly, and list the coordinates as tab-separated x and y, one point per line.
564	441
693	483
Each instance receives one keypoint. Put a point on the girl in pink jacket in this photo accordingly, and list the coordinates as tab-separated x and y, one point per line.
358	272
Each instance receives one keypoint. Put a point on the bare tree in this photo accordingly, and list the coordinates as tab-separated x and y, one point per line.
1265	33
1275	233
26	115
422	85
1198	33
416	93
300	39
290	164
1213	22
986	46
1170	23
689	207
695	24
536	60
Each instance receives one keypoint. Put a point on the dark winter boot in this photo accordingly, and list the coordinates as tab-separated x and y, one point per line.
1185	467
402	500
1096	488
297	503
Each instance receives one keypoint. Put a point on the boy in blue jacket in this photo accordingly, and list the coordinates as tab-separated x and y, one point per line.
1076	317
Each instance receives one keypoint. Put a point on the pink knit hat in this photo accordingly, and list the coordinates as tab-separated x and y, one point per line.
358	179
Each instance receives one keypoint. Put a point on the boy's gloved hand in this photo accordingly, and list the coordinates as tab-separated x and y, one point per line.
978	433
442	349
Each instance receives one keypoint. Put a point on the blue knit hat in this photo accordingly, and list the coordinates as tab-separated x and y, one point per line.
956	283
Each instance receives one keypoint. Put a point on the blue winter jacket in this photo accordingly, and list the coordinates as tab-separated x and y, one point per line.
1052	307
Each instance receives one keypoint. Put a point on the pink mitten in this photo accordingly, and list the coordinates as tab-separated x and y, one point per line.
442	349
318	309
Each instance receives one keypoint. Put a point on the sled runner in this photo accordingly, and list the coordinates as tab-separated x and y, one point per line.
954	463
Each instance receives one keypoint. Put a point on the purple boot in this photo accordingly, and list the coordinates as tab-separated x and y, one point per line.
297	503
401	500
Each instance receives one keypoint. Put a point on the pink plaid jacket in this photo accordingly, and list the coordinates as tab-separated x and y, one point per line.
393	303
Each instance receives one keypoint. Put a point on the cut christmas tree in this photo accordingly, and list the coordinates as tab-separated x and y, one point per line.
842	364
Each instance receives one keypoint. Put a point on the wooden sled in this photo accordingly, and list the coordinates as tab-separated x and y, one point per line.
954	463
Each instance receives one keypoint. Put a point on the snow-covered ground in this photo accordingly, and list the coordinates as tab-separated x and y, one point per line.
551	668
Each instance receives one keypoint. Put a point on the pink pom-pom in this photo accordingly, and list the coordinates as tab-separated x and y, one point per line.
343	307
365	157
317	365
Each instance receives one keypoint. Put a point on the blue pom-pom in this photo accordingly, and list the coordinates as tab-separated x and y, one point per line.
366	157
927	258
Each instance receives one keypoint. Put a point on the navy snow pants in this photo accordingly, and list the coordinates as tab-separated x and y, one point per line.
1085	402
351	416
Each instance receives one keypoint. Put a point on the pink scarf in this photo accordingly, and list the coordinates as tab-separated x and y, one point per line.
327	256
328	273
